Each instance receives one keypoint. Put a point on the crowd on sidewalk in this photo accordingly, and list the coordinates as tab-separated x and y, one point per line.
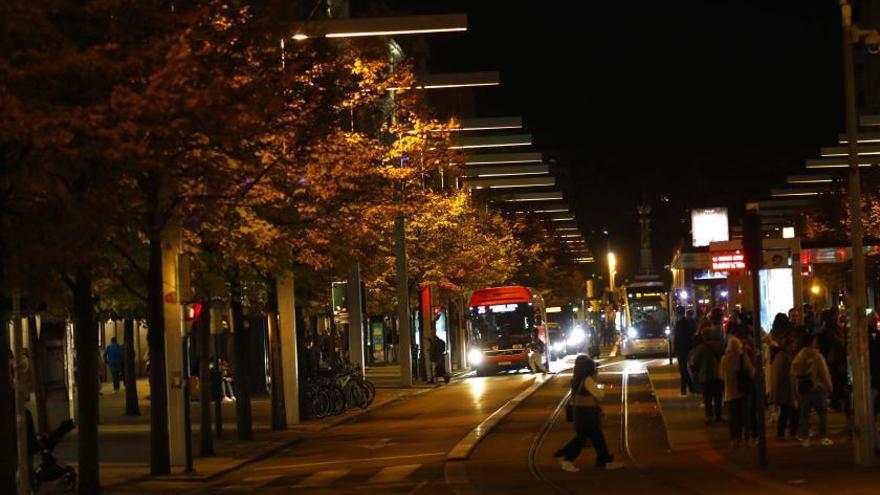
804	358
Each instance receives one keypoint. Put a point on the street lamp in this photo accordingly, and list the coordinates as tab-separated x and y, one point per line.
612	270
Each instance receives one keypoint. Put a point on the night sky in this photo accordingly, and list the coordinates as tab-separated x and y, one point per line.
706	103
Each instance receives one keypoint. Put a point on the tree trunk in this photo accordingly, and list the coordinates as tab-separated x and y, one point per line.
279	421
86	342
131	395
37	376
241	367
8	456
205	384
160	455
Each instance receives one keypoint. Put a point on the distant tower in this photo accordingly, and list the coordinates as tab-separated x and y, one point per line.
646	265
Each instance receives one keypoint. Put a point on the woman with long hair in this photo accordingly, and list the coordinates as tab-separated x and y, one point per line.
585	397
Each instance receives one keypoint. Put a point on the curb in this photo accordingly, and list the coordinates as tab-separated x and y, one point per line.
465	447
660	409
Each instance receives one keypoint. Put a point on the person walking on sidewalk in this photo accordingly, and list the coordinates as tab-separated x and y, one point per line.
813	388
739	375
113	357
682	339
782	389
705	362
585	397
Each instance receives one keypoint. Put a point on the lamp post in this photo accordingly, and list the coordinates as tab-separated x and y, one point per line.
863	428
612	271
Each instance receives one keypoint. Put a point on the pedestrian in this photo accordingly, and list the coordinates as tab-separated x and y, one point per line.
228	394
830	342
437	354
705	362
780	331
587	412
114	358
782	389
739	375
682	340
810	372
536	354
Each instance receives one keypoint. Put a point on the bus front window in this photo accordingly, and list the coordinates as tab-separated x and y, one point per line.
649	318
501	326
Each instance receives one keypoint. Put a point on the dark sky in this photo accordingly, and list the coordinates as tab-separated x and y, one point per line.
709	102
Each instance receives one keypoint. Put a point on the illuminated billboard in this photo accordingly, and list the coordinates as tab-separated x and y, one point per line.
709	225
727	261
777	294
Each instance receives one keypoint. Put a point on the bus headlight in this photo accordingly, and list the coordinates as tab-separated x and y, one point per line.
475	356
632	333
577	336
667	331
558	346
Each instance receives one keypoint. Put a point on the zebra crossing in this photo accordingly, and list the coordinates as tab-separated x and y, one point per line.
366	478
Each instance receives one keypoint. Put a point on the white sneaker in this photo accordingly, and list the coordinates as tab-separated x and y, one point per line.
568	466
613	465
826	441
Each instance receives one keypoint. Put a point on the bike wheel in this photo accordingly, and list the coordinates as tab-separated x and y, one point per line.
320	403
359	395
337	399
370	390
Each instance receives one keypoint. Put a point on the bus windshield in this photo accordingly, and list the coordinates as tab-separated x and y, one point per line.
502	326
649	317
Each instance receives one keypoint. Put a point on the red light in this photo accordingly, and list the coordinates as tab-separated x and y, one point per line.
193	311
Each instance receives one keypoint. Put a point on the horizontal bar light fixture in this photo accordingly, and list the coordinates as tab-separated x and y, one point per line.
869	120
534	196
379	26
455	80
505	170
494	141
841	162
835	151
504	158
863	137
508	182
490	123
788	193
810	179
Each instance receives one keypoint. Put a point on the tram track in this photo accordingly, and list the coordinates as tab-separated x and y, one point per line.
547	427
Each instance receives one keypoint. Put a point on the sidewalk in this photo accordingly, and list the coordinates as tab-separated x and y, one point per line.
124	440
792	468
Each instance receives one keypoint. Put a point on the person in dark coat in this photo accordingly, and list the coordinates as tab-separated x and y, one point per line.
114	358
683	340
705	362
436	352
782	389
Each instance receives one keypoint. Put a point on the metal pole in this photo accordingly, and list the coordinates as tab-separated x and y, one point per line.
863	428
753	249
21	395
404	351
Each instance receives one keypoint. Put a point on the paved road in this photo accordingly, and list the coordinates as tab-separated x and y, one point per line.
400	448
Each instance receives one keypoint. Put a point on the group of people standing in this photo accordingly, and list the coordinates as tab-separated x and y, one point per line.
806	371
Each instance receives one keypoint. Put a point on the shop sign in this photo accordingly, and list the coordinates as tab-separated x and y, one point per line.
728	260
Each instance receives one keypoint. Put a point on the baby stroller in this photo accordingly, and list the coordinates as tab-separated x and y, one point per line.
49	469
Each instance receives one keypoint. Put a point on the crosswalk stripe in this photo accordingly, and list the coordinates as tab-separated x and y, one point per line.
321	478
392	474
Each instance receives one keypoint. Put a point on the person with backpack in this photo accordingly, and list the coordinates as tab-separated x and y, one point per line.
813	386
705	361
587	414
739	377
437	354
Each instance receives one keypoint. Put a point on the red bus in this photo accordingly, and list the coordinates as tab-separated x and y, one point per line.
500	324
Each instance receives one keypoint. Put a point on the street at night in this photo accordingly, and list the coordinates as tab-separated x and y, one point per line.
430	247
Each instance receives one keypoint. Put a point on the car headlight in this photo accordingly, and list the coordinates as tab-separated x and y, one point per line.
577	336
475	356
632	333
667	331
558	346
